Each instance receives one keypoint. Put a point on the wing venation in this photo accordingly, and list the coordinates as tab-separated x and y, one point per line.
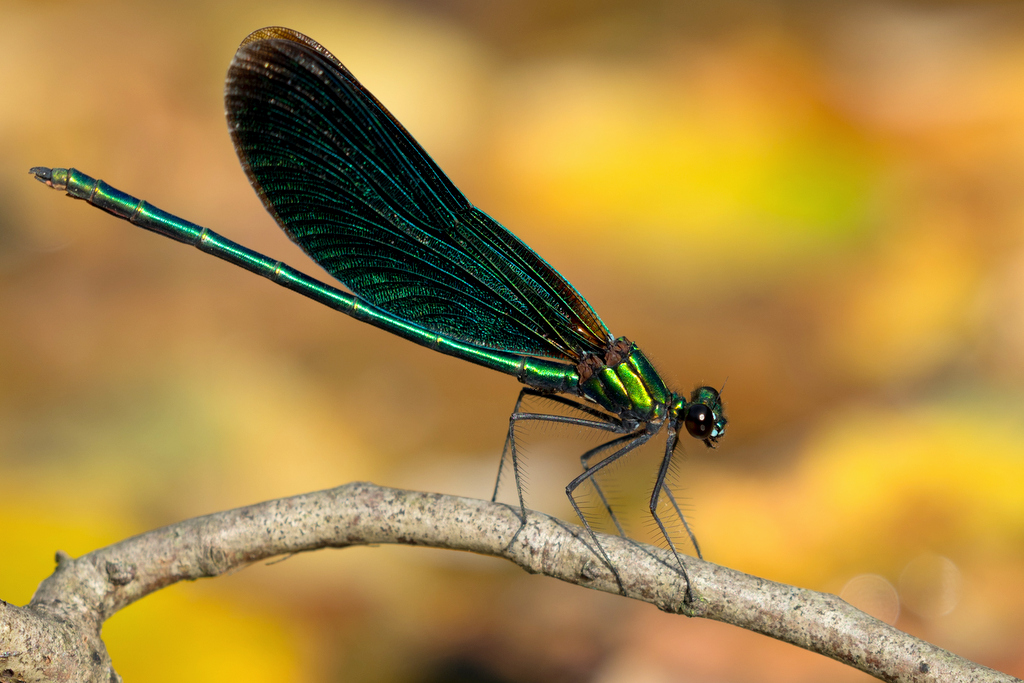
351	187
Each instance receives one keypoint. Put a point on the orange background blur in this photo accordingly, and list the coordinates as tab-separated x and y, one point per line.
823	203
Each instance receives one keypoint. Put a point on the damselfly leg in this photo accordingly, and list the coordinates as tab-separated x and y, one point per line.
595	420
585	462
633	441
661	485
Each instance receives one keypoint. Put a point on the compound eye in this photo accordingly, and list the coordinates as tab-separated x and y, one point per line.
699	421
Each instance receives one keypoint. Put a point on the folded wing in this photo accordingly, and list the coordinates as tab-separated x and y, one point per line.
352	188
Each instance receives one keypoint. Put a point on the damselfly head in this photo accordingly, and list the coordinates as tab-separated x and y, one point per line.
703	416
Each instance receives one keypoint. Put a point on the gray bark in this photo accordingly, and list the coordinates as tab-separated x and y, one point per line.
56	637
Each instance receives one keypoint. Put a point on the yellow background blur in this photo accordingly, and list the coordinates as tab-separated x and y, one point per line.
822	202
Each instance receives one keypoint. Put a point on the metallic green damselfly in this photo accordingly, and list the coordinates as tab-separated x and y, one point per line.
351	187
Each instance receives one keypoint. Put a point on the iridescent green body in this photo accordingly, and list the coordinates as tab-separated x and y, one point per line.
622	381
626	384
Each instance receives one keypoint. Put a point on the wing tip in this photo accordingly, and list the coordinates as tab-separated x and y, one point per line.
283	33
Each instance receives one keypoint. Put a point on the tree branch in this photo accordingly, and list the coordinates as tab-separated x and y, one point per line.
57	636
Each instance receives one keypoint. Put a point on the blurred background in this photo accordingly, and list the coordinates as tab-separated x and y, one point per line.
820	201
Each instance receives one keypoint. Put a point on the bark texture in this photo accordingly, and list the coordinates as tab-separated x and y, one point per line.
56	637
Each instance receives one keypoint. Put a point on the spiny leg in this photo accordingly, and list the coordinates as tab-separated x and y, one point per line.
670	447
686	525
635	442
576	405
602	421
585	460
508	439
